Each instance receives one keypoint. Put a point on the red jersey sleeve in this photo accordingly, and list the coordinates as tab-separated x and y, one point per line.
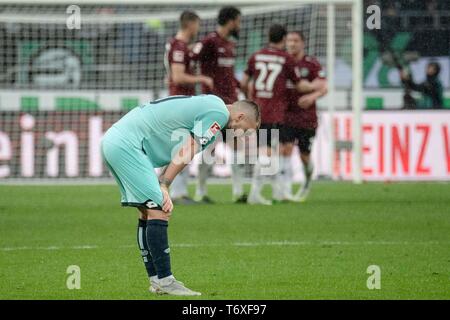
316	70
177	53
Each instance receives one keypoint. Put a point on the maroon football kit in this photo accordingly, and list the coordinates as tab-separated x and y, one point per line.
301	124
217	56
177	51
271	68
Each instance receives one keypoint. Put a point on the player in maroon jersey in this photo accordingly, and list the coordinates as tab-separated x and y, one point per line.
216	56
301	116
182	80
268	70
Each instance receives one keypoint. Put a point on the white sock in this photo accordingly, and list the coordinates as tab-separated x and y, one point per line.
258	178
278	183
237	178
203	173
179	187
288	173
154	279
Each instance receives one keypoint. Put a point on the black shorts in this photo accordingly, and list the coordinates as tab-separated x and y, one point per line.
303	137
267	128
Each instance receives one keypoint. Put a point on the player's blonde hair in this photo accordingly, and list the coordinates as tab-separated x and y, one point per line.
249	107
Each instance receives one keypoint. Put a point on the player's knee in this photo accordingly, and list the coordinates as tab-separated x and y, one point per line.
142	213
157	214
305	156
286	149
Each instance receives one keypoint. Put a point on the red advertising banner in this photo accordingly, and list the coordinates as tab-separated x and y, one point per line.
396	145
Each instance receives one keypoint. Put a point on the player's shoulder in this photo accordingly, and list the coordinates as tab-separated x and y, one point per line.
210	37
311	60
282	56
213	101
177	44
215	107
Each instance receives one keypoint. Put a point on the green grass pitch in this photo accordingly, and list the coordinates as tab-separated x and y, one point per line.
317	250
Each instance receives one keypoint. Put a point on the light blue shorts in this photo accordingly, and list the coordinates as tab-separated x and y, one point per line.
133	172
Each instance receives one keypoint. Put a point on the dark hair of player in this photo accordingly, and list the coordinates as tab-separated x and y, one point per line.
186	17
437	67
299	33
276	33
226	14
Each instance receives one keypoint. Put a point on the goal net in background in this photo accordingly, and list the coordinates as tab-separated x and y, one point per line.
61	88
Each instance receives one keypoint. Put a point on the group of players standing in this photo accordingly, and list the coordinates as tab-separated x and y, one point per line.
280	78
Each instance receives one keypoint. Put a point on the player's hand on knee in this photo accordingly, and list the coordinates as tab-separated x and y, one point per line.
167	202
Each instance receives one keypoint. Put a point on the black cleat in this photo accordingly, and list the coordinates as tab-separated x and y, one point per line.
241	199
206	200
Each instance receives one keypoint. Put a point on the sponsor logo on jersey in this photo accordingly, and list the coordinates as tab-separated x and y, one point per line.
178	56
203	141
304	72
197	47
213	129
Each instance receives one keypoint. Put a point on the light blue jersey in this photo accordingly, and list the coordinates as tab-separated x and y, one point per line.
159	127
148	136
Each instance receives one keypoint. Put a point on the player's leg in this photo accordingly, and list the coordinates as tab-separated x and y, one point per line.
238	145
204	171
145	251
305	139
125	167
141	189
282	185
141	236
201	191
157	223
263	160
284	177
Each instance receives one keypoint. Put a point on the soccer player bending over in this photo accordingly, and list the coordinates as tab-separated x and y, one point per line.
166	132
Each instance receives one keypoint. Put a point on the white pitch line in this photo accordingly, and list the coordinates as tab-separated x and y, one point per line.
238	244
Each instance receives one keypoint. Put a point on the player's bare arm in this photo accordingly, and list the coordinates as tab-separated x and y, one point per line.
307	100
180	77
306	86
245	85
179	161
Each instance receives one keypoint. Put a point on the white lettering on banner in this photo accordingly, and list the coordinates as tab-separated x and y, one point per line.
446	135
95	137
396	145
70	140
5	154
27	146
